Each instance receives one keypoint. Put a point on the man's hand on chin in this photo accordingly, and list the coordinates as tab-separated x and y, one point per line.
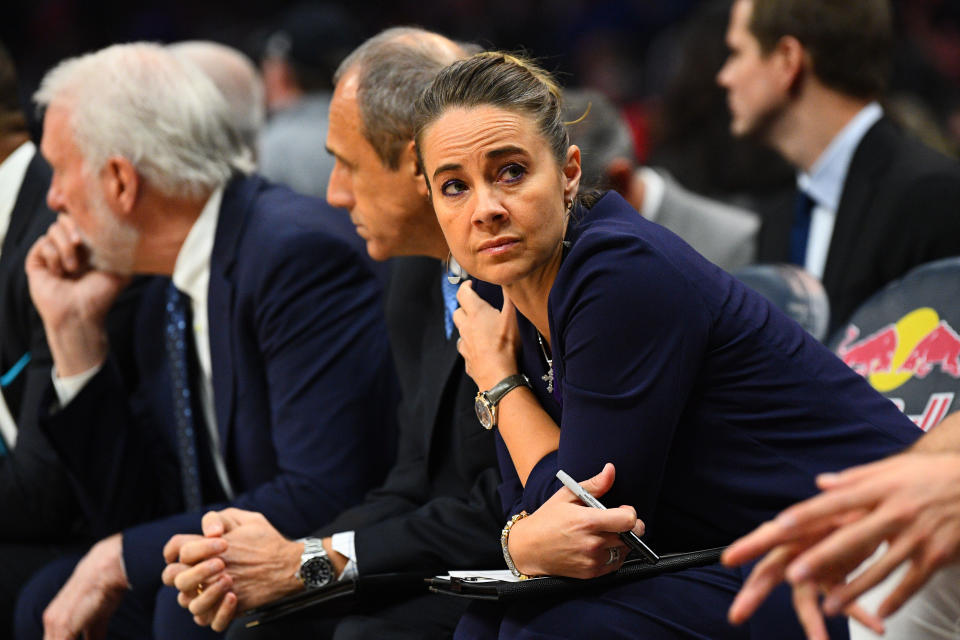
91	595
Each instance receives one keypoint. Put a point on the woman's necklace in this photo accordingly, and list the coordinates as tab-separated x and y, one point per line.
548	376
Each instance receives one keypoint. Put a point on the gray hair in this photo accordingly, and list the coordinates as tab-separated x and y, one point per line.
596	126
141	102
394	67
237	79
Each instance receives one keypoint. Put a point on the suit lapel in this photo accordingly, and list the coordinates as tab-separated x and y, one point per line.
29	212
853	212
234	209
440	358
30	199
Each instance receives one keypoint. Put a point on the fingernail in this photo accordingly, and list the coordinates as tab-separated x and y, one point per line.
827	477
831	606
798	572
786	520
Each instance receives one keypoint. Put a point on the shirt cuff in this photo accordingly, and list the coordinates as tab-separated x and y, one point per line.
68	388
343	544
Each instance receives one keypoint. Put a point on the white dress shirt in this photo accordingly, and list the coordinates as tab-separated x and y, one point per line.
824	184
653	189
191	275
12	172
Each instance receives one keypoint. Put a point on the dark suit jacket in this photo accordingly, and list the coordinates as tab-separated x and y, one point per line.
36	497
900	208
304	386
438	508
38	500
717	410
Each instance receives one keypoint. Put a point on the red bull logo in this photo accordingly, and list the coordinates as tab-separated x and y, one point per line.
915	345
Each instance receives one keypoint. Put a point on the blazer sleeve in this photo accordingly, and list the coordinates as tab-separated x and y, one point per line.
447	532
631	333
35	491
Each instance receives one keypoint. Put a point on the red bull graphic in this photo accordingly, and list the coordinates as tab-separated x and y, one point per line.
936	410
940	347
914	346
871	355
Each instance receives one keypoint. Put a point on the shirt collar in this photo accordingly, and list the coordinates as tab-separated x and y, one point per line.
653	190
12	172
824	182
191	272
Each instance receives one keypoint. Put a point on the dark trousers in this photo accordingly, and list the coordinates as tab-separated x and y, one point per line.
140	616
689	604
18	562
423	617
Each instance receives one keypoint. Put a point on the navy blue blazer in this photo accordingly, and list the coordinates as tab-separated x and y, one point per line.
717	410
304	386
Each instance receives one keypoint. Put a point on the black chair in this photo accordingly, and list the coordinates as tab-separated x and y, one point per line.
793	290
905	341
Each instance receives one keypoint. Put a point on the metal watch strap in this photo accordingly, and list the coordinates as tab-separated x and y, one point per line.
312	548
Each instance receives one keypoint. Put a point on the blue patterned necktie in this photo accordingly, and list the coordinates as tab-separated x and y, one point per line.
449	303
176	335
800	232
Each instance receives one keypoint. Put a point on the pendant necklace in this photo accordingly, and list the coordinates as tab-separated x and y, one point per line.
548	376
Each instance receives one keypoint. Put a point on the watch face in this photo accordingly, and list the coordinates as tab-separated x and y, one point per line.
482	407
317	572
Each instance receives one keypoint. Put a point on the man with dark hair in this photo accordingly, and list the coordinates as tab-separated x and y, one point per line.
723	234
439	508
803	76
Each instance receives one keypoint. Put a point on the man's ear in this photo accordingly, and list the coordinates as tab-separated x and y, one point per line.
620	176
121	184
792	60
410	162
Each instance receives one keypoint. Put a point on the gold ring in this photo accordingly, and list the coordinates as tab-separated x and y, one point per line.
200	589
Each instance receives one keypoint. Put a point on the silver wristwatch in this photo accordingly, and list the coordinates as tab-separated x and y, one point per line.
316	570
485	404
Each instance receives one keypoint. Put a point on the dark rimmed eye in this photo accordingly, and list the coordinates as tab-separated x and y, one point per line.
512	172
453	187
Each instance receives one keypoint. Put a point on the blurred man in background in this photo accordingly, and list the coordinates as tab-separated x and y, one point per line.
804	77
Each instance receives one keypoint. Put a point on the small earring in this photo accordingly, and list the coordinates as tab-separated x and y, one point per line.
569	205
455	272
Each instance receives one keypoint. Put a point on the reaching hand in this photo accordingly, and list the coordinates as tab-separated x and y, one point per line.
911	500
72	298
489	339
565	538
85	603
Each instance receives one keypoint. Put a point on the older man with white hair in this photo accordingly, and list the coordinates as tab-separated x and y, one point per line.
237	79
264	378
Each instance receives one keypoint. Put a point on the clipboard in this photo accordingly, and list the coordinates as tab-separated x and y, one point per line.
340	593
555	586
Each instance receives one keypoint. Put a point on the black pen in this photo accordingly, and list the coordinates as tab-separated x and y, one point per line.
629	537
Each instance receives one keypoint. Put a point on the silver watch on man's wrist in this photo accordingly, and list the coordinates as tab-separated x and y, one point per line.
316	570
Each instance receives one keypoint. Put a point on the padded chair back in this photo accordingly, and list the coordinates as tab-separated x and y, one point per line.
794	291
904	340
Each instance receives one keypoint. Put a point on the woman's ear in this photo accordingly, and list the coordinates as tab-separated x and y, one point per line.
571	173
